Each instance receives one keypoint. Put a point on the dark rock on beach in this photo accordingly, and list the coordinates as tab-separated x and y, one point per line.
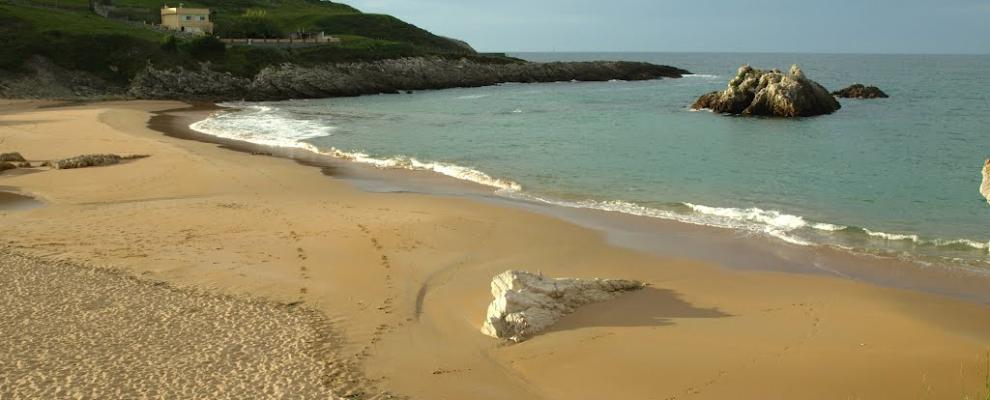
92	160
14	157
770	93
6	165
859	91
289	81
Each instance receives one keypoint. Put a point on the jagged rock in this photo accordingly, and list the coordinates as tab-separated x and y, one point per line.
859	91
204	84
770	93
15	157
24	165
290	81
92	160
526	304
6	165
985	187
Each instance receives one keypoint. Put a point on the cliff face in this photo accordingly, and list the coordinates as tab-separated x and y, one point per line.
770	93
385	76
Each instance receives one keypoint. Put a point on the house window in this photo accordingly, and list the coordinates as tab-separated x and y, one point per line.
202	18
187	18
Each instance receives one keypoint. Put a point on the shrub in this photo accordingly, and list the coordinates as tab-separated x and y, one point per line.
250	26
206	48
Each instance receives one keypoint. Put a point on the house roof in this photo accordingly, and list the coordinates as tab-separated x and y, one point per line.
184	10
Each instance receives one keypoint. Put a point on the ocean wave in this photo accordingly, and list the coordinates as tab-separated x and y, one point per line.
828	227
772	218
893	236
265	125
705	76
959	244
409	163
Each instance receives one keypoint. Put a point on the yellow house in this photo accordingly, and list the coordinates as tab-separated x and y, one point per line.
187	19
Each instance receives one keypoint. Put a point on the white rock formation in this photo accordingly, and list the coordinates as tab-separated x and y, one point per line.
985	187
526	303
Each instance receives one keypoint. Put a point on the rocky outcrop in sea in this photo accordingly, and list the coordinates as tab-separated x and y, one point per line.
985	187
290	81
860	91
770	93
526	304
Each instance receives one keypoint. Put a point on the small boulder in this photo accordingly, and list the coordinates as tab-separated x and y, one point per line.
24	165
6	165
859	91
92	160
12	157
526	304
770	93
985	187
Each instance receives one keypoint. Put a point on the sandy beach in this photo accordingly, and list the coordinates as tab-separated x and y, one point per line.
398	284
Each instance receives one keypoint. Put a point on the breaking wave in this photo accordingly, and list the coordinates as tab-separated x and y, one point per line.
268	126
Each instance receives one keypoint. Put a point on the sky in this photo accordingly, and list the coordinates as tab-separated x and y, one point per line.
817	26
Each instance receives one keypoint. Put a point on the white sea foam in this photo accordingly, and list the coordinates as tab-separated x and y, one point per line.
828	227
893	236
705	76
917	240
263	125
472	96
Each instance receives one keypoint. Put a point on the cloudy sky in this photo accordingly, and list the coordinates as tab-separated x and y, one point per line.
828	26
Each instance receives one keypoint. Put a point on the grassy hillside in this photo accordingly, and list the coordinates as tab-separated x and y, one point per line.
287	15
75	38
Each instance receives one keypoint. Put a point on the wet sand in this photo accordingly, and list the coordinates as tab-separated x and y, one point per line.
402	278
15	202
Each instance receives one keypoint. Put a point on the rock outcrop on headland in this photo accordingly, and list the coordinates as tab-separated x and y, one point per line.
985	187
860	91
770	93
291	81
526	304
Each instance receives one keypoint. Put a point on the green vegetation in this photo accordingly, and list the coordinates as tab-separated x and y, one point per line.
73	37
75	40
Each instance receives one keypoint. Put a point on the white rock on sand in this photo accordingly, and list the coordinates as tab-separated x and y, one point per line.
526	304
985	187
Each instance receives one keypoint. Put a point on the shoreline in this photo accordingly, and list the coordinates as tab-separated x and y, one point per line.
637	232
404	278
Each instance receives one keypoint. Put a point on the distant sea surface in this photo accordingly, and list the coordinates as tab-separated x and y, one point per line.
893	177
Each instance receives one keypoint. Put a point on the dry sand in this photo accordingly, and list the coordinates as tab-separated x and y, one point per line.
73	331
403	278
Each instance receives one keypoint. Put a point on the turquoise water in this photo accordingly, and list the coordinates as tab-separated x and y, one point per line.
896	176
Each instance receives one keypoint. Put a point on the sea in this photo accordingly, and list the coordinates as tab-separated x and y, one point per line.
895	177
